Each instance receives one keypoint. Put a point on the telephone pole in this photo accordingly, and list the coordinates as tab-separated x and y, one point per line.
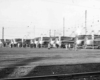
3	33
54	32
85	21
34	31
85	26
50	33
63	26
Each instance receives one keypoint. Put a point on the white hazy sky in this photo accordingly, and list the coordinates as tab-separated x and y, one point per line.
29	18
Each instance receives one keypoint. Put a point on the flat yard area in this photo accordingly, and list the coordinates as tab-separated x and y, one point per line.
12	55
11	59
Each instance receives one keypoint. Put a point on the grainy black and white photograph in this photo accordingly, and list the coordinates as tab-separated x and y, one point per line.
49	39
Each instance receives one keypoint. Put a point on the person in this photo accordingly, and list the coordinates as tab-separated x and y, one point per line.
69	46
57	43
11	45
66	46
31	44
1	44
36	44
49	46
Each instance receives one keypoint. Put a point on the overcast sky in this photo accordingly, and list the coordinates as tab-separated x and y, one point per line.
31	18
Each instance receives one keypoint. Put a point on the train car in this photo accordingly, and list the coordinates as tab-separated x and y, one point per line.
89	42
79	41
27	41
53	41
92	41
7	42
19	42
69	41
97	41
36	42
46	41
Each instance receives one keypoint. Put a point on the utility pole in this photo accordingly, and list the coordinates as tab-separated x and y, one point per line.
34	31
63	26
54	32
85	27
85	21
3	33
50	33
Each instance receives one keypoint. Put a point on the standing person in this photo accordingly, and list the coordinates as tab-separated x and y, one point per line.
36	43
52	43
78	32
49	46
4	44
12	44
31	44
66	46
93	38
69	46
18	45
57	43
75	43
1	43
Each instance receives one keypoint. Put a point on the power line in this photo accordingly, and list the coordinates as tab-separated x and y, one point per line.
72	5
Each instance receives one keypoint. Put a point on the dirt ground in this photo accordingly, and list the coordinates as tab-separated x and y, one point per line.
12	59
12	55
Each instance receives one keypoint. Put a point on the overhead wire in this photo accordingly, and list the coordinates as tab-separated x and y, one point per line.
73	4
